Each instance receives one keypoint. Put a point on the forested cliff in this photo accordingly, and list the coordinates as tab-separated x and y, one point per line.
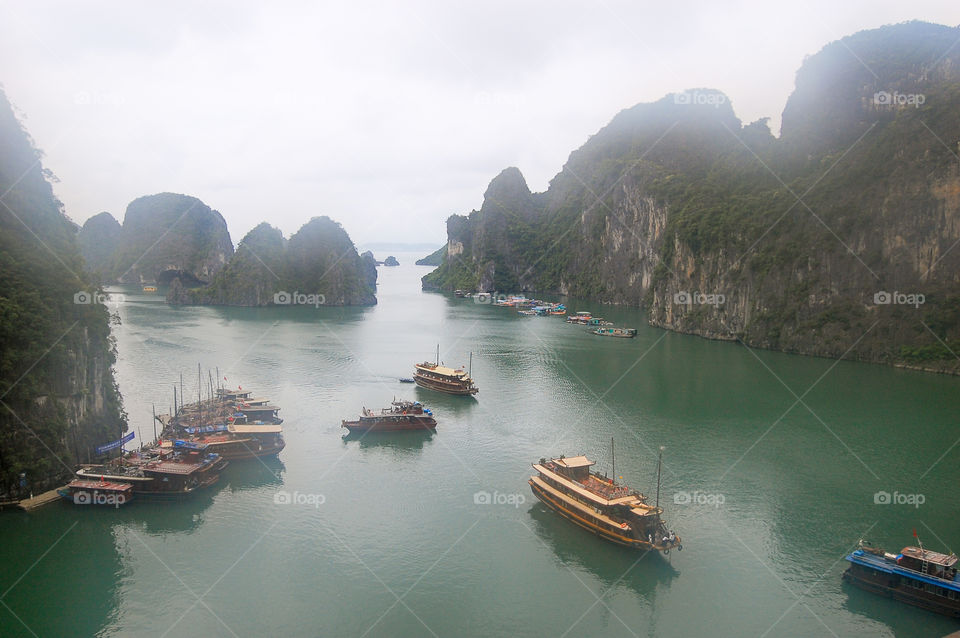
837	238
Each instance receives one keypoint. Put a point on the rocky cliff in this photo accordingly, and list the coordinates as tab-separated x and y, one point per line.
99	239
318	265
163	236
835	239
58	398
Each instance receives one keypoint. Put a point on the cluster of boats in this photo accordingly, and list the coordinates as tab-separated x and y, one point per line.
194	446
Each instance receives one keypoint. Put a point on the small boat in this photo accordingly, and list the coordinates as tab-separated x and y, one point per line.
100	492
149	289
400	416
602	506
406	380
915	576
627	333
434	376
581	317
527	313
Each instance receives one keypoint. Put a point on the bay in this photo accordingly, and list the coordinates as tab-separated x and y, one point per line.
771	467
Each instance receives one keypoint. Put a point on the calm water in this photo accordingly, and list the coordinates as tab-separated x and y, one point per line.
384	537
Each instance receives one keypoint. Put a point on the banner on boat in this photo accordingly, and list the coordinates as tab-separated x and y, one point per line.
113	445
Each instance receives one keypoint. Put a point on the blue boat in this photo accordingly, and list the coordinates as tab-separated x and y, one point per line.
916	576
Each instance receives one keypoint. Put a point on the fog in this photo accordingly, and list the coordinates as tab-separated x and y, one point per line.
387	117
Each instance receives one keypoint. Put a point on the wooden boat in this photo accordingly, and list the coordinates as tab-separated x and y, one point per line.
600	505
242	441
627	333
581	317
400	416
162	474
915	576
434	376
101	492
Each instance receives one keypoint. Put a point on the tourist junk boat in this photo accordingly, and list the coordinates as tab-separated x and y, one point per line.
434	376
600	505
100	492
162	474
400	416
916	576
627	333
239	441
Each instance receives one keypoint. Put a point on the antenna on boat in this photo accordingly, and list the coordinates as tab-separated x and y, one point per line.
438	354
470	372
659	463
613	462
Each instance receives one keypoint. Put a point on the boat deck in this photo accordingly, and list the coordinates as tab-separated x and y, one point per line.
879	563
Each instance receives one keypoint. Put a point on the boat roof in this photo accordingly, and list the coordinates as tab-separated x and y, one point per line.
258	408
98	485
931	557
574	461
628	499
254	429
436	369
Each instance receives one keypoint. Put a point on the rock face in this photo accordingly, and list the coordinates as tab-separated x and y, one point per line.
319	265
833	240
98	240
391	261
169	235
435	258
59	394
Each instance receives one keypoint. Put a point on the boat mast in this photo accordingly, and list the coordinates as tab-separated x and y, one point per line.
438	354
659	463
613	462
470	372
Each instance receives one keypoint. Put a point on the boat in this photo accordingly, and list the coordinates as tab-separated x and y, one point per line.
101	492
915	576
461	294
257	414
627	333
527	313
401	415
434	376
238	441
162	473
406	380
602	506
581	317
149	289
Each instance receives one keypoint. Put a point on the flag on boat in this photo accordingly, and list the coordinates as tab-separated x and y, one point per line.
112	445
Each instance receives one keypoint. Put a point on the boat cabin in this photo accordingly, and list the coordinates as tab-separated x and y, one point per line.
576	468
927	562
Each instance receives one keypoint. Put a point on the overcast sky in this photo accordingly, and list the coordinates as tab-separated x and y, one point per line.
387	117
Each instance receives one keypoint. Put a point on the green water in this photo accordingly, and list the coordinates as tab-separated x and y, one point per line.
399	547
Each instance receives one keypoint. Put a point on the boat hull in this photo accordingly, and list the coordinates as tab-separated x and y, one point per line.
446	388
577	518
417	425
895	587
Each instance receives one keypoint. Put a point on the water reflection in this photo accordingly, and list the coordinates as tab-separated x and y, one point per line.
578	549
250	474
400	442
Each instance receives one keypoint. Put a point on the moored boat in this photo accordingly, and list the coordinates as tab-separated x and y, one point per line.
916	576
627	333
400	416
600	505
164	474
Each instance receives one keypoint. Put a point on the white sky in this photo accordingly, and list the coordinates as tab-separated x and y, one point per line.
388	117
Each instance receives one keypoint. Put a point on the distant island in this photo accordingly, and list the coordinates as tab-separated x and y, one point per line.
836	239
391	261
318	265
